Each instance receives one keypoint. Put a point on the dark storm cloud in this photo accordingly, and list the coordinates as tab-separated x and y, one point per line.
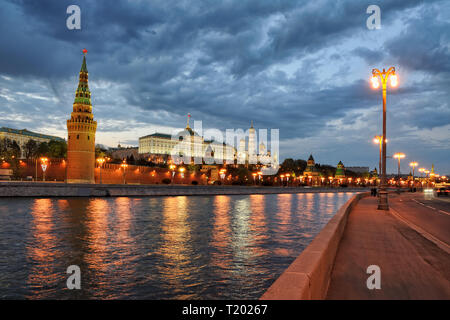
220	60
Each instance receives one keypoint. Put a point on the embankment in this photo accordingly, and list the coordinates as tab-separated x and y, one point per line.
308	277
39	189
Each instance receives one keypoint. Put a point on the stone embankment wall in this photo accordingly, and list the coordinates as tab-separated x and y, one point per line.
49	189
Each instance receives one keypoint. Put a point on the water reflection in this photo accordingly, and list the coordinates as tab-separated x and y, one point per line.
229	247
176	249
42	250
221	233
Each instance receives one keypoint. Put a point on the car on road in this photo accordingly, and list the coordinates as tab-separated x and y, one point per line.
444	191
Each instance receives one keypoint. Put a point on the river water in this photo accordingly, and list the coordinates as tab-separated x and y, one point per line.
183	247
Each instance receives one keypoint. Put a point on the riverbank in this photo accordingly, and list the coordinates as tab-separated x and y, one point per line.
51	189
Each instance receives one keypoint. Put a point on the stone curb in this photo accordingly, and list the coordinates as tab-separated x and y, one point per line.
308	277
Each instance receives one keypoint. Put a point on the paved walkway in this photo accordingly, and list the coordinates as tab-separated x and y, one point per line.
412	267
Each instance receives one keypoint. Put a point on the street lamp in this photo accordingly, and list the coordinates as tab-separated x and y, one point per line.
124	165
100	165
384	76
399	156
44	164
172	168
413	164
182	169
379	140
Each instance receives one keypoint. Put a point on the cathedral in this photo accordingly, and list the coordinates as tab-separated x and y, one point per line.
81	128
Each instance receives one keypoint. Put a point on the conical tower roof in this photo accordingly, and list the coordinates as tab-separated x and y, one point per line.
83	94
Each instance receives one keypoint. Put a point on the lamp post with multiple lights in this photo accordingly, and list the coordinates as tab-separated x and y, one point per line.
172	168
384	76
44	164
124	166
413	164
100	161
399	156
379	140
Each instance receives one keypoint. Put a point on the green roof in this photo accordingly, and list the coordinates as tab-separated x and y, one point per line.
83	66
26	132
158	135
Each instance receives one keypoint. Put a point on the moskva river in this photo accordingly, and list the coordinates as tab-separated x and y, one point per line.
182	247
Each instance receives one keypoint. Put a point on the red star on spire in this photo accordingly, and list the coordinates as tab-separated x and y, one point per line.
84	51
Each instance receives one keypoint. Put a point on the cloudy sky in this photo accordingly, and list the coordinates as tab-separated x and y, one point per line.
302	67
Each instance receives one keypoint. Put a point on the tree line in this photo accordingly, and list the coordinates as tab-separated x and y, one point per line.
10	149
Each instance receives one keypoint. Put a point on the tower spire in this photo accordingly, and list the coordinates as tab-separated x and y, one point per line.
82	94
81	128
187	122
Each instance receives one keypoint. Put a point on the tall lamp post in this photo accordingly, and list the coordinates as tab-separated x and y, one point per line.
172	168
413	164
44	164
124	166
100	165
379	140
399	156
384	76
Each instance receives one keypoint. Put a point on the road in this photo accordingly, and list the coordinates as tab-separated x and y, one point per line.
428	212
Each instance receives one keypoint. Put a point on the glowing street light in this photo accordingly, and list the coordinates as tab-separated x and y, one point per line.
101	161
172	168
413	164
379	140
399	156
182	170
44	164
124	166
383	76
222	173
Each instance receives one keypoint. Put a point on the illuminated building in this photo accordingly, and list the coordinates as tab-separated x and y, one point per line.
81	129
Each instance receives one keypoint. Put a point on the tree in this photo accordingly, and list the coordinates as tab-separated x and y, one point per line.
31	148
100	152
57	149
43	150
9	149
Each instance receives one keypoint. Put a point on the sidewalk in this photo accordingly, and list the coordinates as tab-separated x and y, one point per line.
411	266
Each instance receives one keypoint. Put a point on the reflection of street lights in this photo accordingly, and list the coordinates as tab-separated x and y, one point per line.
124	165
44	164
399	156
413	165
100	164
384	76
